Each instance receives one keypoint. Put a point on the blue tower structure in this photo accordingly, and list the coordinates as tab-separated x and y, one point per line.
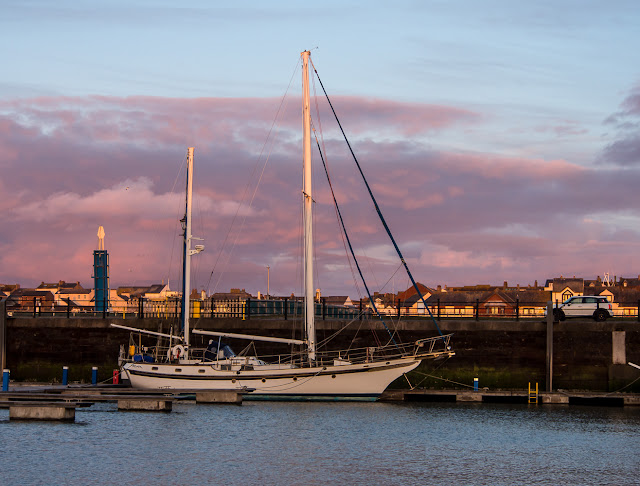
101	274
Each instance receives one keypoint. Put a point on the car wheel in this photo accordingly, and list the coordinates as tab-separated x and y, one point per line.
600	315
559	314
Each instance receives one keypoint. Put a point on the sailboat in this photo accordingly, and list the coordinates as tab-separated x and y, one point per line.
355	374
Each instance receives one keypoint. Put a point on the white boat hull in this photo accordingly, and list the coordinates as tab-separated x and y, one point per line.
362	381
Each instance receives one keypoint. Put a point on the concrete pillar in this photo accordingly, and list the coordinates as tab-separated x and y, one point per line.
149	405
219	396
42	411
618	348
468	397
549	374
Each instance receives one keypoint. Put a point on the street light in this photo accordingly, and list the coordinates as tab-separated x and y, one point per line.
267	281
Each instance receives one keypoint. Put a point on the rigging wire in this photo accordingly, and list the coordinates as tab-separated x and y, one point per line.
276	120
353	255
375	203
176	223
326	167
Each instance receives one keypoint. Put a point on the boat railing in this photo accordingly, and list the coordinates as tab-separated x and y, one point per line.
429	347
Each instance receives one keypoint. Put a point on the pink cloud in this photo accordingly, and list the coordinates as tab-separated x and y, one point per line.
461	215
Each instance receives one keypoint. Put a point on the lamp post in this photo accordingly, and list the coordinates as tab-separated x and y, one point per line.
268	281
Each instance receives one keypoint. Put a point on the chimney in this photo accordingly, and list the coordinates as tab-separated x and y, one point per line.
439	288
505	284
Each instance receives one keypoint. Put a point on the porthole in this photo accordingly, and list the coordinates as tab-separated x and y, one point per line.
333	376
264	381
295	378
233	380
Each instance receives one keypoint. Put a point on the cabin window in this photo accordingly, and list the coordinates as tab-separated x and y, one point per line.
154	368
178	370
200	371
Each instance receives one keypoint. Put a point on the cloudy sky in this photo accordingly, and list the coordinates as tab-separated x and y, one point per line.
501	139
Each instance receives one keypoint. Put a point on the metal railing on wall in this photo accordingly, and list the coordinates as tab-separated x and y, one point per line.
289	308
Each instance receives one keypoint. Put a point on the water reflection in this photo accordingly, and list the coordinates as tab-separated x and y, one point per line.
320	443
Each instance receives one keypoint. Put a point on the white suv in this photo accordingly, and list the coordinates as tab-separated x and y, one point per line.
584	306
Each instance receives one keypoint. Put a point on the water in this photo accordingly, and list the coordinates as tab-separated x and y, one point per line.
274	443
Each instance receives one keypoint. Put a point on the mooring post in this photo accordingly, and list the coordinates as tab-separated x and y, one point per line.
5	380
475	384
94	375
550	319
3	333
65	375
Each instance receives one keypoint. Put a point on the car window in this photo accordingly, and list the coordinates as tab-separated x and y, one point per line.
590	300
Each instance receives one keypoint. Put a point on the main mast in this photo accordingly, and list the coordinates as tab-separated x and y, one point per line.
307	217
186	260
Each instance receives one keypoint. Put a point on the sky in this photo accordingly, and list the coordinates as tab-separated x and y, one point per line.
501	140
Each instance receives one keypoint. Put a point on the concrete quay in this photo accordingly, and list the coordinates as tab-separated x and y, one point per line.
513	396
59	403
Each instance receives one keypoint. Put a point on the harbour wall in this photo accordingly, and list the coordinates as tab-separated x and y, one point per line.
502	354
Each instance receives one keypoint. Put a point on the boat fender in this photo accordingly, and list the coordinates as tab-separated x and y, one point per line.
176	351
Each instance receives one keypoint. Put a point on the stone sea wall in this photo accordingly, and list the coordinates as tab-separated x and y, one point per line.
503	354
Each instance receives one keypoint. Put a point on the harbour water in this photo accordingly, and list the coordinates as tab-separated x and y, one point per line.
280	443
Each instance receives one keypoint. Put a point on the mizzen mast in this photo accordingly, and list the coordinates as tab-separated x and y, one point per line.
186	260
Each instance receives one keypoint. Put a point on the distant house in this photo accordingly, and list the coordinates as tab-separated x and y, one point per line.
8	288
157	299
342	300
564	288
60	285
456	303
411	302
233	294
625	300
496	301
29	299
79	299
